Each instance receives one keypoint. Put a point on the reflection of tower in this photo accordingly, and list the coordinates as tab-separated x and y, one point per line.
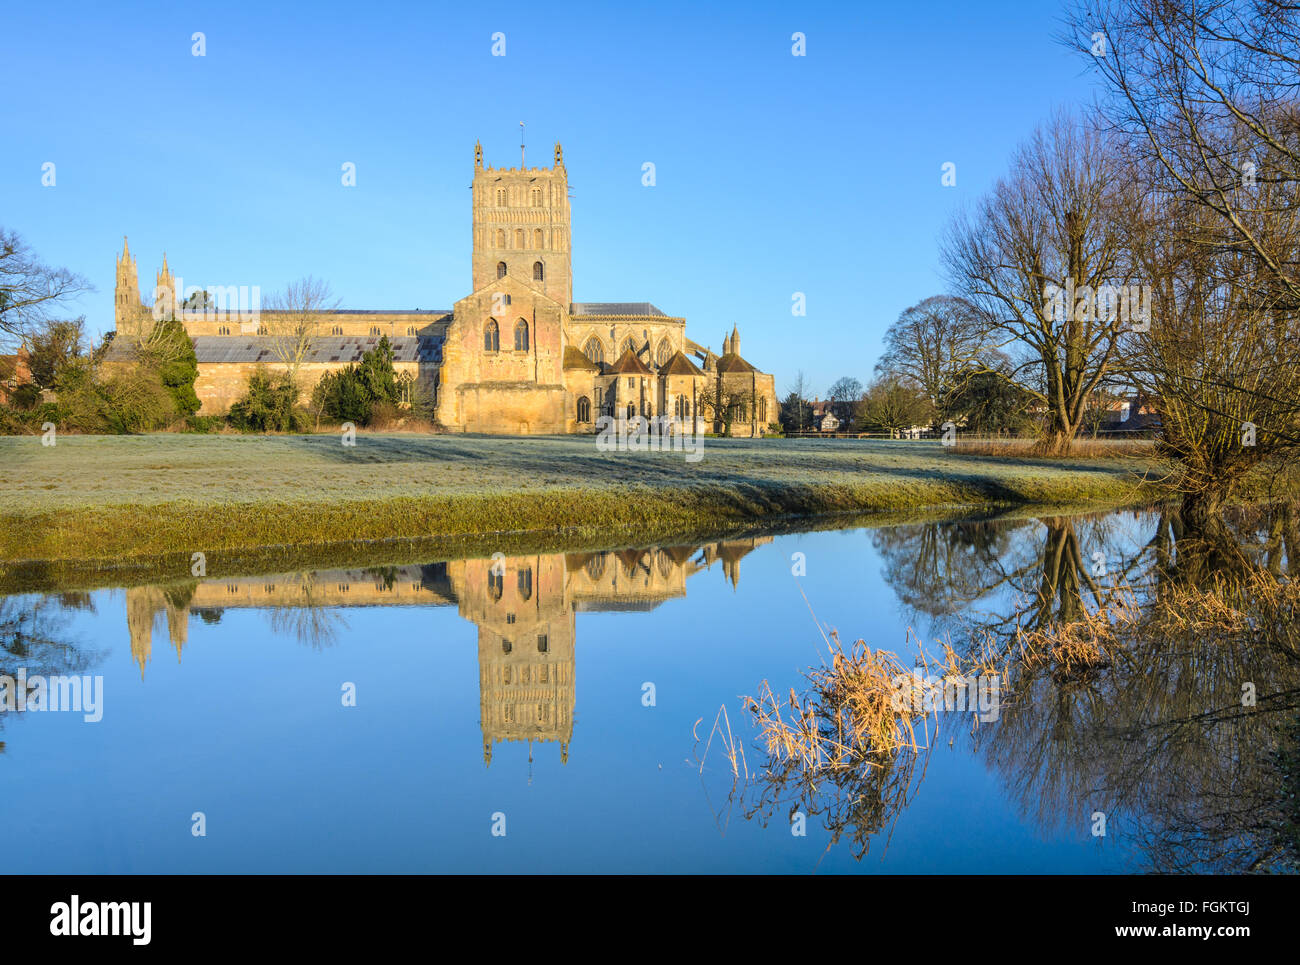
525	647
143	606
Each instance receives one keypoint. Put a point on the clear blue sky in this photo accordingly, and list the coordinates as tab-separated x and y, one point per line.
776	174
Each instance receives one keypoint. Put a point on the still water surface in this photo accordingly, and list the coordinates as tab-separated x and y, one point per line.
556	697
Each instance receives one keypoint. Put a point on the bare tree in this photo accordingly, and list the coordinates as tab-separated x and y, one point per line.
933	341
845	396
1207	90
293	318
31	292
1052	227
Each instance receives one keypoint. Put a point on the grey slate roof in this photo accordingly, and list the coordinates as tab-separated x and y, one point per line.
615	308
325	348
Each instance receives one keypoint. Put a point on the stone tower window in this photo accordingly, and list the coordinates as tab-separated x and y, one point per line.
519	237
501	269
584	409
537	238
501	237
537	197
501	197
539	272
594	350
491	336
521	336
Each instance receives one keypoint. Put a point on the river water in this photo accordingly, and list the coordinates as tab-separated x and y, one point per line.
550	712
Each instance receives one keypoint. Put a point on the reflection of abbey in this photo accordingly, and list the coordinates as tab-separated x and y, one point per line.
517	355
524	607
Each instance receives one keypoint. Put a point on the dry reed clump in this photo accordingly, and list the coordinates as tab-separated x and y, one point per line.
1258	605
857	710
1021	448
1082	646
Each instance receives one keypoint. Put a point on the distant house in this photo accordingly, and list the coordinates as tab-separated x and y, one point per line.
823	416
1129	414
13	373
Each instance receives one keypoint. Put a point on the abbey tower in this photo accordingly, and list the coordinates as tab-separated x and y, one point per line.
521	226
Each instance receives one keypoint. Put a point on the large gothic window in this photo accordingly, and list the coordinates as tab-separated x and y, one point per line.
663	353
539	272
594	350
584	409
501	269
628	346
491	336
521	336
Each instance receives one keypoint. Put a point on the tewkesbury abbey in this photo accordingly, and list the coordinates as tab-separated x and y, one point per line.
515	356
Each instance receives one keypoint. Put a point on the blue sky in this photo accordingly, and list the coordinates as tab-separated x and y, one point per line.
775	174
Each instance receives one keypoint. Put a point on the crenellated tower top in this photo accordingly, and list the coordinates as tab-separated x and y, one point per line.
521	226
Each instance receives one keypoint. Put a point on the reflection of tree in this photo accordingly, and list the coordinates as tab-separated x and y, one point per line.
308	619
1157	738
1153	731
34	637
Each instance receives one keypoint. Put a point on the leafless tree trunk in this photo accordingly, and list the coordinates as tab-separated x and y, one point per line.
293	318
1035	254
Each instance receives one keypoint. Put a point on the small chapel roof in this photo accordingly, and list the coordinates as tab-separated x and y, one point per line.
679	364
629	364
574	358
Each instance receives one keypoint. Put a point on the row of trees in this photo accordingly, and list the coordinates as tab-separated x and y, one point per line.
1150	247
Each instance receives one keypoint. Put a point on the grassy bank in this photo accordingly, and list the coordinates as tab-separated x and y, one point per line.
111	500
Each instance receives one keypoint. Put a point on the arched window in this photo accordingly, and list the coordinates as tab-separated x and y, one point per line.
519	237
595	566
501	237
631	410
584	409
521	336
628	346
525	583
491	336
663	353
501	197
537	197
539	272
762	409
501	269
594	350
496	582
537	238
